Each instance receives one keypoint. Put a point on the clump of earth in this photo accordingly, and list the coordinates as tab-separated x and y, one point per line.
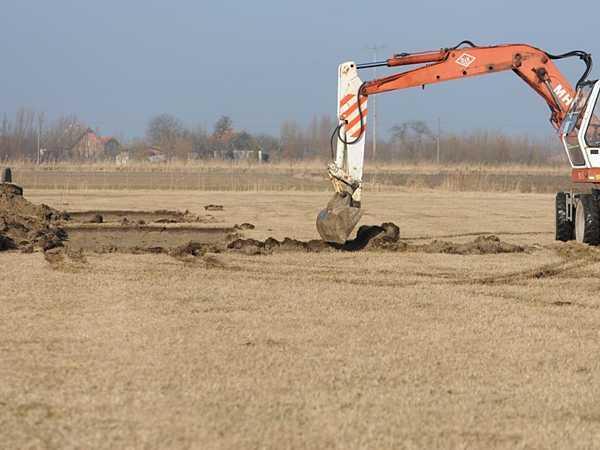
482	245
384	237
24	225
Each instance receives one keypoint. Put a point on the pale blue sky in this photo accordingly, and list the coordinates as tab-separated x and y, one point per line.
117	63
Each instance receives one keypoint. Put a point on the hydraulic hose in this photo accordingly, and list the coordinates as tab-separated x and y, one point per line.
584	56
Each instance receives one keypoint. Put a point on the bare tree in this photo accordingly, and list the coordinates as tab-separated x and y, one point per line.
293	142
61	136
5	131
200	142
164	131
223	128
414	139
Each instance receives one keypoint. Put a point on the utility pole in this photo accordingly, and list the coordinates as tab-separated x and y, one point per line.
439	134
373	107
40	124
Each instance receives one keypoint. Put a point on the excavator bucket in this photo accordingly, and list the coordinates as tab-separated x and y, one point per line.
338	219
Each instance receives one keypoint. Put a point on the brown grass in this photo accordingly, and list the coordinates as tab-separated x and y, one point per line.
291	175
352	350
283	166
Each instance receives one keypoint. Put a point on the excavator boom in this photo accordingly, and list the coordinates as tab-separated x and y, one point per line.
532	65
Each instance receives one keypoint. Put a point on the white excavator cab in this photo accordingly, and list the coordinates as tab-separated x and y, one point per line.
578	214
580	131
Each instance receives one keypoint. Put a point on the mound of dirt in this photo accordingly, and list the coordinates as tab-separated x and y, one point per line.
244	226
194	249
63	259
482	245
385	236
98	218
576	251
13	202
6	243
24	225
376	237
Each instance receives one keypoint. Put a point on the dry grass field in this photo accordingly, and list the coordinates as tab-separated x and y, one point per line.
303	176
372	349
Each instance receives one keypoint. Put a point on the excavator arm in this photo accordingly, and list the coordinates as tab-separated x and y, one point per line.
532	65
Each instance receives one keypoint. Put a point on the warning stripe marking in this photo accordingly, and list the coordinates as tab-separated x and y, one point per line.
356	120
345	100
357	133
353	127
354	107
349	112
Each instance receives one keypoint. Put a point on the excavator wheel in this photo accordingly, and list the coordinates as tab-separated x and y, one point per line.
565	228
587	220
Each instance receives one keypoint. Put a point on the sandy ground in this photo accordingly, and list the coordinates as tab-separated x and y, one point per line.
297	350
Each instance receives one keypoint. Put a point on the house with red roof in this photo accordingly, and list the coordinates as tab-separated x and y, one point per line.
90	147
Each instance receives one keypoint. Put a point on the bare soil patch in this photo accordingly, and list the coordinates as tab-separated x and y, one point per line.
158	216
27	226
168	231
153	238
377	237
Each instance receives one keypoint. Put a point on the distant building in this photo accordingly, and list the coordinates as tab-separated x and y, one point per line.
90	146
153	154
112	147
122	159
241	155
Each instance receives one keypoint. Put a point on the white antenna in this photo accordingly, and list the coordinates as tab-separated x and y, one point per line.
439	136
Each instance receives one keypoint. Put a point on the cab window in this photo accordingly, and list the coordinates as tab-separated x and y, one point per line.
592	134
572	125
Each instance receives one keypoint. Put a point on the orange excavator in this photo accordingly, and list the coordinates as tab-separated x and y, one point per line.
574	113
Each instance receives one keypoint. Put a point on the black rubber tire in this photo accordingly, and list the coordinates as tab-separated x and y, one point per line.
565	229
587	220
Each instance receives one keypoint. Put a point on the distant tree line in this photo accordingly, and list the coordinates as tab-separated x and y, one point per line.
30	136
411	141
294	142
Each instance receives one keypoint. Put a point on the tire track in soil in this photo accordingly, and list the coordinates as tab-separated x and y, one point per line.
477	233
575	257
584	257
545	271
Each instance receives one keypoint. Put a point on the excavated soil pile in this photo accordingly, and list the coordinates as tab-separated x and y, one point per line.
195	249
385	236
376	237
26	226
482	245
571	251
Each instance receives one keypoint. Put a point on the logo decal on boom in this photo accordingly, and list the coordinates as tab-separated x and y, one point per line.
465	60
563	95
